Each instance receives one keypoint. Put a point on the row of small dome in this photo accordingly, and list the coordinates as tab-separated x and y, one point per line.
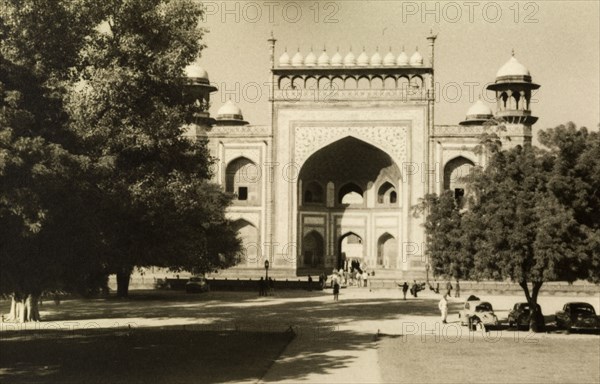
350	60
510	69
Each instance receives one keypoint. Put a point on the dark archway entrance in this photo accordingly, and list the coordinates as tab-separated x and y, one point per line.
338	197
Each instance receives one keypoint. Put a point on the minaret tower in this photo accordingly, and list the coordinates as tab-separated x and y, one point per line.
513	87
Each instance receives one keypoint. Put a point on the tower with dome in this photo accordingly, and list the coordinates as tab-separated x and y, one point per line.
351	147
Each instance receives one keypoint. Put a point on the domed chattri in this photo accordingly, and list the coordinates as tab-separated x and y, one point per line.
311	59
477	114
402	58
284	59
512	68
513	87
363	59
350	59
298	59
196	73
416	58
337	59
513	72
323	59
230	114
389	59
376	59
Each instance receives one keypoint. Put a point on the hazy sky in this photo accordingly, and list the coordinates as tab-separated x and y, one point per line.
558	41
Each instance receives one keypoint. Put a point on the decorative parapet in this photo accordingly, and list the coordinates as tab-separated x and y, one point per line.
334	94
402	83
240	131
476	130
458	130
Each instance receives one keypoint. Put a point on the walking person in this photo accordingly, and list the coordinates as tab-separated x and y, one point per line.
404	289
449	288
457	289
336	290
261	287
414	289
271	286
443	306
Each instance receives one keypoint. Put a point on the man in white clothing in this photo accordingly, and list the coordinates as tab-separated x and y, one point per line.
443	306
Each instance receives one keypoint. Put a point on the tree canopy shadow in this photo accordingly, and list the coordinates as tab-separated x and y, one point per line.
237	337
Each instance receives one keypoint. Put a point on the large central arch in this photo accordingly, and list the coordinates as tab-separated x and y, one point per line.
349	186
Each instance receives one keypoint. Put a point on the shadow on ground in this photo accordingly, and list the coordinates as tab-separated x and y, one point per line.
231	337
167	355
212	337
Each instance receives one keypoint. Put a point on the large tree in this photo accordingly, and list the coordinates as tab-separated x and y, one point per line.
45	234
443	228
94	174
521	225
129	109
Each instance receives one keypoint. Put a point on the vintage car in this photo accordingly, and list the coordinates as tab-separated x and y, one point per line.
197	284
519	315
477	313
577	316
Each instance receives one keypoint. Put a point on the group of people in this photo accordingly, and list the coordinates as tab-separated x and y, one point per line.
449	288
443	303
266	287
414	288
354	277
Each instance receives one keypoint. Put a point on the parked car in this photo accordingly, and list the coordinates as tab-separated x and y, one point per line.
477	313
520	314
197	284
577	316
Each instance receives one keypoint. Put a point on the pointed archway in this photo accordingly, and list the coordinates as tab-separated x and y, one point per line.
338	195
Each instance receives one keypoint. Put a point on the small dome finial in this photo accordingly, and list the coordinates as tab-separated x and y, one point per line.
513	52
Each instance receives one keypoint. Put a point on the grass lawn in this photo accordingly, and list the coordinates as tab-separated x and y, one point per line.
540	359
138	356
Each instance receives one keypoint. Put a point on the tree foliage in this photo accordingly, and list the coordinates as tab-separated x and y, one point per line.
532	216
95	177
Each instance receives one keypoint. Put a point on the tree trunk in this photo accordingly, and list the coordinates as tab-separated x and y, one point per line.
536	319
32	307
123	278
24	308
